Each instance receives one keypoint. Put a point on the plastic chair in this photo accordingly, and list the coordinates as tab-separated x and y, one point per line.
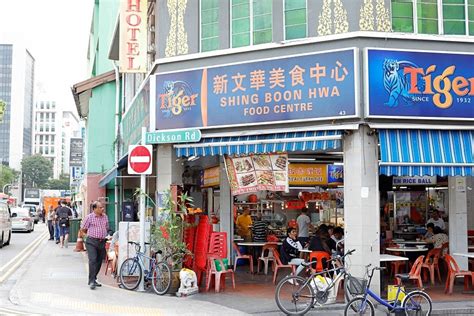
414	274
395	265
217	249
218	274
431	263
320	257
267	256
241	256
280	265
454	272
444	249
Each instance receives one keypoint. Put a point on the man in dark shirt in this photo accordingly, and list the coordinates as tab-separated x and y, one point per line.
322	241
63	215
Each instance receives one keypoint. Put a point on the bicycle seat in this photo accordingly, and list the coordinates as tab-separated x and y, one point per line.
403	276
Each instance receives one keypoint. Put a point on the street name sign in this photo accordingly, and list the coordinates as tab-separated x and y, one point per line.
192	135
140	159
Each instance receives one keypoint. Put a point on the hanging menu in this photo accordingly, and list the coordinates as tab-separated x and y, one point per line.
257	172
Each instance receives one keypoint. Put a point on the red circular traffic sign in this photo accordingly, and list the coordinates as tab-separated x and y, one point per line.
139	159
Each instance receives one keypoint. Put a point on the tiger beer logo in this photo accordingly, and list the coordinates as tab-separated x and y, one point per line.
177	98
444	87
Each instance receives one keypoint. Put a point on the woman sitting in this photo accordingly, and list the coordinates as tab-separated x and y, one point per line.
438	239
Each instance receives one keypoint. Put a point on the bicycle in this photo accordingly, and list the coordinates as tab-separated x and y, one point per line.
132	269
416	302
296	295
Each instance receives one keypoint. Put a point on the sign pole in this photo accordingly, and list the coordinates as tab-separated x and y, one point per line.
141	287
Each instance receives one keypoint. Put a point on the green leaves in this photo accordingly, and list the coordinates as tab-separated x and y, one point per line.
3	108
36	170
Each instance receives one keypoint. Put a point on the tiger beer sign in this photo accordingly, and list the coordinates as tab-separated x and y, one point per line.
426	85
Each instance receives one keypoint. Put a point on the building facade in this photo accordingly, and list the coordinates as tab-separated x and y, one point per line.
46	131
17	71
70	129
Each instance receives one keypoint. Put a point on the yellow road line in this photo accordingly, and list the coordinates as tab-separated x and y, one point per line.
14	263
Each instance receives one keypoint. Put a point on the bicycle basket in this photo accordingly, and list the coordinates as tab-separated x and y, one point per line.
356	286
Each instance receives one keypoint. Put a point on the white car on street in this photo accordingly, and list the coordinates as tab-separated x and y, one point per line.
22	219
5	225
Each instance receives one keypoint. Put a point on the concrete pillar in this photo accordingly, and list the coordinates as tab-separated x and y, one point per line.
169	171
458	218
225	200
361	201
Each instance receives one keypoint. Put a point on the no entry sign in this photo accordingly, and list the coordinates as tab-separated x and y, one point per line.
140	159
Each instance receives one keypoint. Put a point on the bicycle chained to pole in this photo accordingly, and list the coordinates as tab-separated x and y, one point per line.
158	274
296	295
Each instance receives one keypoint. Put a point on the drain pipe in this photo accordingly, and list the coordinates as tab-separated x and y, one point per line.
117	140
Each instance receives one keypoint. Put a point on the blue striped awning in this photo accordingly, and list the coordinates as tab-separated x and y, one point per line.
259	144
426	152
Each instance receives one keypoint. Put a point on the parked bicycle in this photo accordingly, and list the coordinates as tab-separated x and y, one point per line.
132	269
296	295
416	302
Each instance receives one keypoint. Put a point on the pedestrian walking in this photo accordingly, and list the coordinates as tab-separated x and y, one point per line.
43	214
51	216
64	213
56	223
96	226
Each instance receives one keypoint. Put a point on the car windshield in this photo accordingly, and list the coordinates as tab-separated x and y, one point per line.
21	212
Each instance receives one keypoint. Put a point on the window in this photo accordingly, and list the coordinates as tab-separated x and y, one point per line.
450	17
251	22
295	19
209	25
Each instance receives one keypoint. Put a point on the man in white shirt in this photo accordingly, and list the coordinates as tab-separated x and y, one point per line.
304	222
437	220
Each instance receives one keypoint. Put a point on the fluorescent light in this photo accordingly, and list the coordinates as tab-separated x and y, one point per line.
302	188
338	164
300	159
192	158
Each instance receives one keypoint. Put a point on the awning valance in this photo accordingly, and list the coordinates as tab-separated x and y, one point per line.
259	144
426	152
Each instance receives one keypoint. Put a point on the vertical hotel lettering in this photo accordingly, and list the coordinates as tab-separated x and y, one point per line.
133	36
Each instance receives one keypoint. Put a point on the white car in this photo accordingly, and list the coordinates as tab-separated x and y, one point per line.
22	219
34	211
5	225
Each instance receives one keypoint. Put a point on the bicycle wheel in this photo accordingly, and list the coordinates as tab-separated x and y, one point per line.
130	274
293	296
417	303
359	306
161	278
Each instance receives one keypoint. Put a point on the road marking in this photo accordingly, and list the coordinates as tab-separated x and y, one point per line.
14	263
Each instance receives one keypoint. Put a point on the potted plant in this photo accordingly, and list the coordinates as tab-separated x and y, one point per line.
167	233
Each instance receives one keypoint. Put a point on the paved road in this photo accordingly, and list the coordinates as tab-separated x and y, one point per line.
18	242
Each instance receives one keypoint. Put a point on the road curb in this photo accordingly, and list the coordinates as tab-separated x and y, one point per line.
11	266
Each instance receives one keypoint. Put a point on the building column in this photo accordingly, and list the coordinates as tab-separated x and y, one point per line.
458	218
168	170
225	201
361	201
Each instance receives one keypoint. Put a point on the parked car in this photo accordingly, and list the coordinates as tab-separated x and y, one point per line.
5	224
33	211
22	219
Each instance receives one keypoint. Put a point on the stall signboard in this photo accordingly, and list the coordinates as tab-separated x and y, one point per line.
210	177
307	174
306	87
335	174
420	84
257	172
415	180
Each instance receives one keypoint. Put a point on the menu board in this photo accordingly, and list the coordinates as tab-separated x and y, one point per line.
257	172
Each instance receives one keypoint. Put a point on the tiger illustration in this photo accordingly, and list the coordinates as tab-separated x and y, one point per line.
396	82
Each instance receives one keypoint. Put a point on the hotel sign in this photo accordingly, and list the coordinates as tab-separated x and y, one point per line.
314	86
420	85
133	36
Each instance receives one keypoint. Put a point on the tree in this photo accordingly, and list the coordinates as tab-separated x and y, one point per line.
58	184
3	108
36	171
7	175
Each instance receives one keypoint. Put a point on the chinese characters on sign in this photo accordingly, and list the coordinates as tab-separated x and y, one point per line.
306	87
257	172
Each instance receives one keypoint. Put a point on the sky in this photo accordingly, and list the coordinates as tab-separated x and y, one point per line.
56	33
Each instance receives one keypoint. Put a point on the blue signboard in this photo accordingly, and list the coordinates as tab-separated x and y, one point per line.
418	85
335	174
305	87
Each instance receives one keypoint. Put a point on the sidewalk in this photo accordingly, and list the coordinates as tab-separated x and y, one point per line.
55	283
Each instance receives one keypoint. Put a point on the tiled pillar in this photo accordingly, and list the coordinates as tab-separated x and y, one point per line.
226	220
169	170
361	201
458	218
